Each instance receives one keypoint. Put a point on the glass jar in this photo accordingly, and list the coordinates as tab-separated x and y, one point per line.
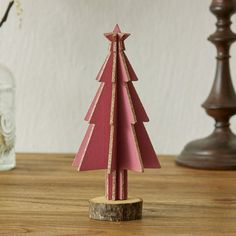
7	119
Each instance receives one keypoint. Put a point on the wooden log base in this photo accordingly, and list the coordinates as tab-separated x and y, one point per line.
120	210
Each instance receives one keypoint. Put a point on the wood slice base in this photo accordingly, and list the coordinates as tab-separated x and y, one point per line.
121	210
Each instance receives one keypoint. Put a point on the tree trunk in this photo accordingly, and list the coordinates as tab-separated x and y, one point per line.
116	185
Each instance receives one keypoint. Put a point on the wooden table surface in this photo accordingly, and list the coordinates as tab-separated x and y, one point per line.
45	196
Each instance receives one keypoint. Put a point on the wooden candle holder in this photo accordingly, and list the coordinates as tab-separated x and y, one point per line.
217	151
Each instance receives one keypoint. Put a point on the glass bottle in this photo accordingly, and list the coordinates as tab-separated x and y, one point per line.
7	119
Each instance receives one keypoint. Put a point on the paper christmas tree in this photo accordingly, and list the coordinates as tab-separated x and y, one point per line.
116	138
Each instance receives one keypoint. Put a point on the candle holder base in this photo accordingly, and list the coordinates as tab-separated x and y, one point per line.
217	151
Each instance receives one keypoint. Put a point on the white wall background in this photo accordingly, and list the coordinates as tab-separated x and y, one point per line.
57	53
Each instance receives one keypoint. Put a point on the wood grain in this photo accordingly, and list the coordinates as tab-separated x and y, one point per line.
45	196
119	210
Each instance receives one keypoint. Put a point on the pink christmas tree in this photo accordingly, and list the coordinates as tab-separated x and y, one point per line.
116	138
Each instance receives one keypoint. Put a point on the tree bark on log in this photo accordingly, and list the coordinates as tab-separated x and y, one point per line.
120	210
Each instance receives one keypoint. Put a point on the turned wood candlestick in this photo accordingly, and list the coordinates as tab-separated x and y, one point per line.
217	151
